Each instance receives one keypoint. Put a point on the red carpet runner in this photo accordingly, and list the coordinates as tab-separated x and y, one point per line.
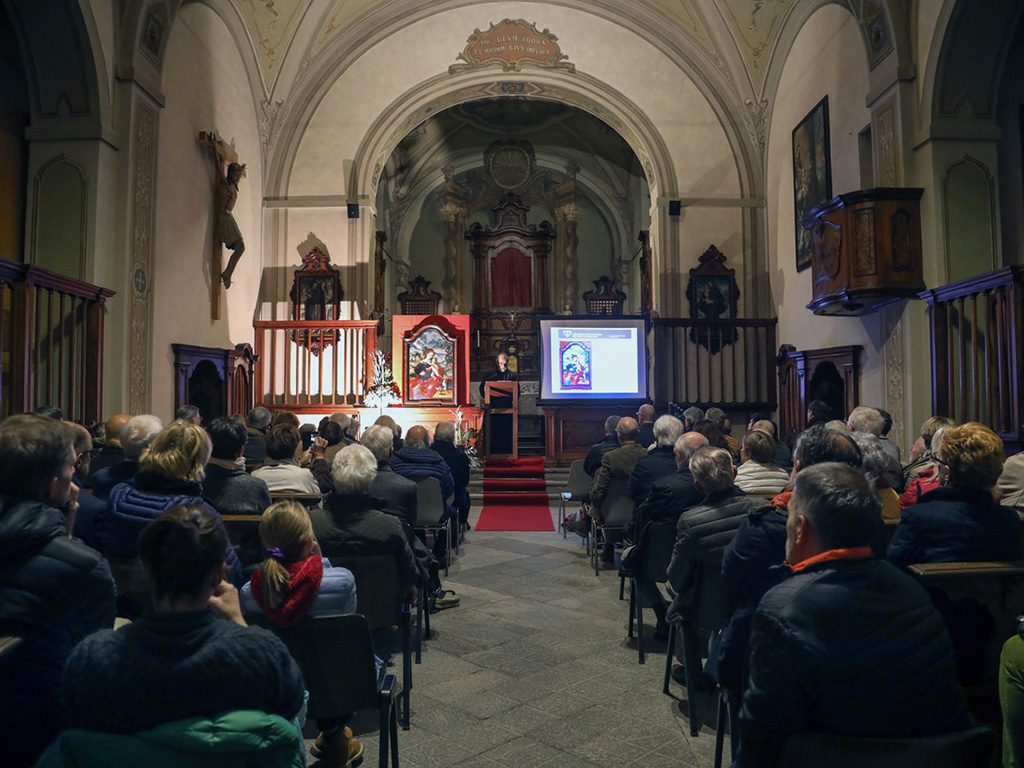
515	496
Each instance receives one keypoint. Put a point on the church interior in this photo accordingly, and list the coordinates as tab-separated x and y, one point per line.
356	206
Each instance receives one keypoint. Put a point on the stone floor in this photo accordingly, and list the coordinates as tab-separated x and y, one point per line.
534	669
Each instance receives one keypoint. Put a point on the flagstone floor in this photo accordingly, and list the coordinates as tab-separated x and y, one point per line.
533	669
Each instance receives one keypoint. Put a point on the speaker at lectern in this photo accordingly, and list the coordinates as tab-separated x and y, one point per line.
501	400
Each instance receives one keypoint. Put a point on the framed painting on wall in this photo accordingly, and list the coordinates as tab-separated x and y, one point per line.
430	365
812	175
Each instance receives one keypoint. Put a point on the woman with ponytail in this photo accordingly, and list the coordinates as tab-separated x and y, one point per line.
296	581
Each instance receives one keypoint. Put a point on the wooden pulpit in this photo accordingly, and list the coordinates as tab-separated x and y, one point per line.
501	401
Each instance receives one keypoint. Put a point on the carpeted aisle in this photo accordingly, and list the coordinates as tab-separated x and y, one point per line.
515	496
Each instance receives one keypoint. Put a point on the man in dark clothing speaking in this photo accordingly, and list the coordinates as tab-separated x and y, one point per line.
501	423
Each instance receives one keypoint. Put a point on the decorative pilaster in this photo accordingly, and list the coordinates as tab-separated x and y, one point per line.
453	213
143	175
566	255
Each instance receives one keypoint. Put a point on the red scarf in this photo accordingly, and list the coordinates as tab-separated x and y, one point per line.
852	553
303	588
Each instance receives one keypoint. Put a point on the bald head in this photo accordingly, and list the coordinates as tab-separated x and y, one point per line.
627	429
417	437
763	425
646	413
114	426
687	445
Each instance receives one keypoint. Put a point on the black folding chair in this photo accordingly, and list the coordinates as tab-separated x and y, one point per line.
381	599
656	543
430	508
335	654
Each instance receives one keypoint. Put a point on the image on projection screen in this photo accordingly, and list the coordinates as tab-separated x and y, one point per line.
593	361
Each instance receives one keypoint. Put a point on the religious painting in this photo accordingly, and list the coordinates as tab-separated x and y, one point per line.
574	365
714	297
812	175
430	364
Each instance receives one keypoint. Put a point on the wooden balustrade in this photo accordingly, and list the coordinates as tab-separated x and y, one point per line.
310	365
977	344
51	342
725	363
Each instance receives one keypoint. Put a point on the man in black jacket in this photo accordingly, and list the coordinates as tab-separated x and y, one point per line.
458	463
848	644
659	462
227	486
609	442
53	590
671	494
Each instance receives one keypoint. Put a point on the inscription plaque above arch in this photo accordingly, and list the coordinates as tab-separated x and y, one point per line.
512	43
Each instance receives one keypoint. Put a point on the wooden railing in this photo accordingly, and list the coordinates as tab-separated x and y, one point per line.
977	344
725	363
51	342
310	365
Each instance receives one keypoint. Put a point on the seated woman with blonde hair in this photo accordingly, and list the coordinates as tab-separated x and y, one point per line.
296	581
171	473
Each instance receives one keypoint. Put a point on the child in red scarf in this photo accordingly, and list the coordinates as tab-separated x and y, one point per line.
296	581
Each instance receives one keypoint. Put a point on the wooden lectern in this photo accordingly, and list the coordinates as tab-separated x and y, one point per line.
501	400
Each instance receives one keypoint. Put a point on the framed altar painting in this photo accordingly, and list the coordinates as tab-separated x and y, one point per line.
812	175
430	366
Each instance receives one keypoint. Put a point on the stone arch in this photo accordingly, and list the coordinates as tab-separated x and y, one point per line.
963	74
63	58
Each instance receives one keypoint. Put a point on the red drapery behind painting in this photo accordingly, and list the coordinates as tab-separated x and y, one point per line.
511	280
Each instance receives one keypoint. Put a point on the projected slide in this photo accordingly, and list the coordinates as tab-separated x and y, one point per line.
591	359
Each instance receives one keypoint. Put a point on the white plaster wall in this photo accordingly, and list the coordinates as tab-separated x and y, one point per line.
104	17
597	47
206	89
826	58
928	36
700	153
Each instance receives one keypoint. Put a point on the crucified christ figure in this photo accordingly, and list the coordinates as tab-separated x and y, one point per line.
228	175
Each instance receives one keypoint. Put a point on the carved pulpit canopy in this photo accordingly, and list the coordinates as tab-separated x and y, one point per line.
419	299
605	299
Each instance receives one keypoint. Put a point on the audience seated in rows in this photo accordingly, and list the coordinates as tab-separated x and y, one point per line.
659	462
170	474
135	436
960	520
705	530
90	508
227	486
111	453
872	421
691	416
847	644
189	413
257	423
296	581
54	590
671	494
386	421
458	464
712	432
645	417
616	464
351	522
928	478
818	412
610	441
717	417
748	564
922	462
417	461
191	655
883	472
757	473
282	471
762	422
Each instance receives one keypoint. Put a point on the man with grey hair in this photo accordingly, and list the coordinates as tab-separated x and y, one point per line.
659	462
458	463
256	425
871	645
351	523
783	456
873	422
691	416
719	418
702	535
607	443
135	436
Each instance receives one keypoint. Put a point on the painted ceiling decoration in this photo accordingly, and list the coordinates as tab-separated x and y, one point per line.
272	24
512	44
756	25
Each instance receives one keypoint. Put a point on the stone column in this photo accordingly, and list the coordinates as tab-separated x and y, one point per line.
568	243
453	212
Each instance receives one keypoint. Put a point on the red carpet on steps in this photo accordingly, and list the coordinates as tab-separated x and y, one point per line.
515	496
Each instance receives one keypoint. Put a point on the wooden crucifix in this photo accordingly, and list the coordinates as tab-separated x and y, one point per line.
229	172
